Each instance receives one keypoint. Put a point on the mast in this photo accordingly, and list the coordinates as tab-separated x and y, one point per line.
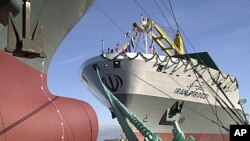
144	31
158	35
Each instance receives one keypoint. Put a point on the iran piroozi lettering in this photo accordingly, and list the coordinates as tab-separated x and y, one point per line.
186	92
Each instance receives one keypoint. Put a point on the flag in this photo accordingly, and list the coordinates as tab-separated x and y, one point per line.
127	34
135	27
153	48
132	43
129	48
116	48
125	48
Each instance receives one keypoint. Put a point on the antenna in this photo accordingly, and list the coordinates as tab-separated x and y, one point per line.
102	46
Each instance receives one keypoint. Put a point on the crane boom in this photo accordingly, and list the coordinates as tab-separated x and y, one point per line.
177	45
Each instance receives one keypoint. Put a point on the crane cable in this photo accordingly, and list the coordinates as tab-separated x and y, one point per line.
161	91
110	18
179	29
169	1
142	8
164	16
218	121
197	78
209	73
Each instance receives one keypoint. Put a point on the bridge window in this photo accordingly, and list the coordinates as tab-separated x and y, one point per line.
117	64
159	68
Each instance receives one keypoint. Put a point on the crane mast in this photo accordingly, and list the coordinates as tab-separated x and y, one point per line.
159	36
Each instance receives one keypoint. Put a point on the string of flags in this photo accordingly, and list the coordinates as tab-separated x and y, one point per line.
130	45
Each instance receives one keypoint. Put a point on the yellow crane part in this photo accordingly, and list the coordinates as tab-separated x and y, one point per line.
177	45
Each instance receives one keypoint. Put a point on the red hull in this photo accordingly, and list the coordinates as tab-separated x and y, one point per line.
29	112
198	137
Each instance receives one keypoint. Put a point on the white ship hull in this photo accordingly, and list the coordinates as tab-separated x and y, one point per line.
149	86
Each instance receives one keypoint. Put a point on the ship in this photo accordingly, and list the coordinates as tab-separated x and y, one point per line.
30	33
162	87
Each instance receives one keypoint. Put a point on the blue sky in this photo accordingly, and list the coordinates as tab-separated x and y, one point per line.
220	27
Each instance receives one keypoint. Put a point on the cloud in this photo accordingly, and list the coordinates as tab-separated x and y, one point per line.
69	61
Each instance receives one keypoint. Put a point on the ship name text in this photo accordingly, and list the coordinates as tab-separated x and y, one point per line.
186	92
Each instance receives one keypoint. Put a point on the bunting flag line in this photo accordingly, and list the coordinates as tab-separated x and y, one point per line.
153	49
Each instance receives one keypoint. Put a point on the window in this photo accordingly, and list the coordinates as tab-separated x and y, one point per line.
159	68
95	67
117	64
